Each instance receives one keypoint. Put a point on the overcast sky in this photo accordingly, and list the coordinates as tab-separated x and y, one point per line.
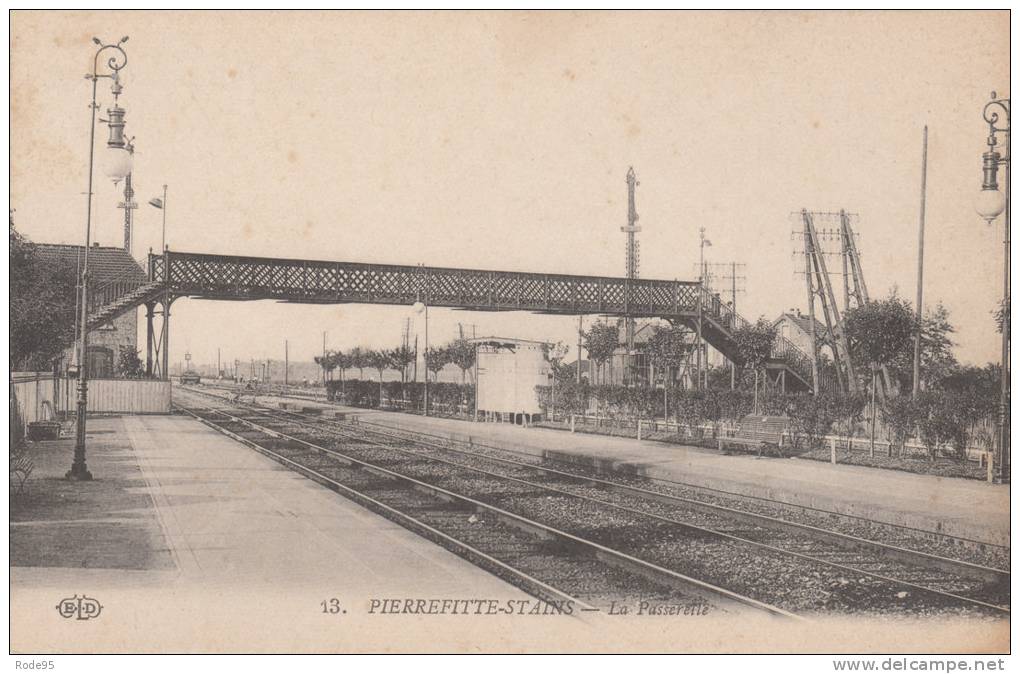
502	141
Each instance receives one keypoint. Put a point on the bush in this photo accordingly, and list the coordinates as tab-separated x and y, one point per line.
900	414
569	397
942	418
811	418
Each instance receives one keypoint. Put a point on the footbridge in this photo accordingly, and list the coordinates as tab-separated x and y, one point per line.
240	278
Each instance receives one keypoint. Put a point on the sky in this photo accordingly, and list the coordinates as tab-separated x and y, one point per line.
502	141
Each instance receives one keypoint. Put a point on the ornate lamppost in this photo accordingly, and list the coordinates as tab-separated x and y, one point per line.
118	166
990	203
421	306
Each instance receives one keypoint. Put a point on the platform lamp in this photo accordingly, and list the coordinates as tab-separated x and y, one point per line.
117	165
422	307
990	204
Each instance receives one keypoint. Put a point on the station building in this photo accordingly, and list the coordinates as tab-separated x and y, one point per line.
107	265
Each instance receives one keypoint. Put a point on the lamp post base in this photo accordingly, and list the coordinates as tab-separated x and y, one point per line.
78	473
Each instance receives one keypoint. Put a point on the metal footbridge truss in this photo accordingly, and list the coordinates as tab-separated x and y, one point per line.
240	278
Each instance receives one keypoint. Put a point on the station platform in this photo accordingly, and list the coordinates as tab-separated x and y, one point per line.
958	507
193	542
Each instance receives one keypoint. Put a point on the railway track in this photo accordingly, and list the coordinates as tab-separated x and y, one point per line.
570	573
940	548
780	565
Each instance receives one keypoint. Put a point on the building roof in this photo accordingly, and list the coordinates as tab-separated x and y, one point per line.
643	331
802	322
503	340
105	263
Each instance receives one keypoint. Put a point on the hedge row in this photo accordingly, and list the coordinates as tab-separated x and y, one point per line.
943	421
444	397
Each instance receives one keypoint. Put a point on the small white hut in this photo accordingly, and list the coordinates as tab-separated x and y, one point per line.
508	372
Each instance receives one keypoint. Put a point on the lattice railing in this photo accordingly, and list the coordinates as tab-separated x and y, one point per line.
110	291
311	281
782	348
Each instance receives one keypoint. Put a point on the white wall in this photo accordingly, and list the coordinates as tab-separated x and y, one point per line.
507	380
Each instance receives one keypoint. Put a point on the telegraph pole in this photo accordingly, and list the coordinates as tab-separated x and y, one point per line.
920	267
580	331
722	272
129	204
631	230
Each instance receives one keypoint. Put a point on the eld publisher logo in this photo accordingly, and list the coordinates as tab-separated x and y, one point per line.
79	608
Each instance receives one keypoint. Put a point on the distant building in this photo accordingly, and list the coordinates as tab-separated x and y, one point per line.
508	372
635	368
106	265
796	327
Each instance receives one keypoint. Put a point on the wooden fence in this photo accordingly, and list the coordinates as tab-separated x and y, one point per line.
42	397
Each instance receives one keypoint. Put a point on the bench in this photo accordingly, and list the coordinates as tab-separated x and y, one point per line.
764	433
21	468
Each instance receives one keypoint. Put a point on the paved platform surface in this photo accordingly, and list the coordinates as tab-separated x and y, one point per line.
959	507
195	543
184	529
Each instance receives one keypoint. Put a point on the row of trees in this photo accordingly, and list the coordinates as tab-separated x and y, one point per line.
670	346
459	352
947	413
880	334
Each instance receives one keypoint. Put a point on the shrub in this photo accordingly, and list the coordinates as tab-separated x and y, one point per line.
944	418
900	414
811	418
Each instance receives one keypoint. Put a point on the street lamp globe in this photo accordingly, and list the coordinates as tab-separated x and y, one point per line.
116	163
418	307
990	203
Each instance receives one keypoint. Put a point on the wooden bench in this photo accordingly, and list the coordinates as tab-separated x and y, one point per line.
764	433
21	467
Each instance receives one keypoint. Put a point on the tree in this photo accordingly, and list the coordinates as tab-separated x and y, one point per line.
754	344
975	392
328	363
462	354
42	306
900	414
400	358
669	348
343	362
601	341
438	358
938	421
879	331
555	353
129	365
359	360
380	362
937	359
